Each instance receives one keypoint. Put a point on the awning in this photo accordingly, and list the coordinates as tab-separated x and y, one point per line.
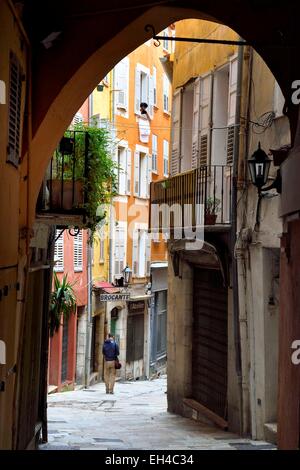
106	287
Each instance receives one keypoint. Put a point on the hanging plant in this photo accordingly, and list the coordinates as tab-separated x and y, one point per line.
62	303
101	181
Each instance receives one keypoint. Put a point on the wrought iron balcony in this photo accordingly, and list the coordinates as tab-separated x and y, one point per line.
64	187
200	197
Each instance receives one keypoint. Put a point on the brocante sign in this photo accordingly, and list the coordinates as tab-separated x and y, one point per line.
113	297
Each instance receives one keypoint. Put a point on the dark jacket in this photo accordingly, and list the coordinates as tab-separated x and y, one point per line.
110	350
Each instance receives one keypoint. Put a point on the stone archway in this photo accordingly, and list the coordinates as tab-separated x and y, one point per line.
62	79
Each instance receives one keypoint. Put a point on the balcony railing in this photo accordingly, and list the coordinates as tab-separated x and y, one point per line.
64	190
200	197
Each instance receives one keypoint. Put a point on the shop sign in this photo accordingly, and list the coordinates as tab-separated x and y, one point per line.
136	307
113	297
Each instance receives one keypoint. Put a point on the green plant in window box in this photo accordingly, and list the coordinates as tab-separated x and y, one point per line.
62	303
95	176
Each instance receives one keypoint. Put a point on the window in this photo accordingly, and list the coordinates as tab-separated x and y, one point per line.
144	89
78	252
165	41
161	322
166	158
166	93
14	113
154	153
122	84
135	337
141	250
173	42
77	118
122	170
154	87
59	251
119	249
142	174
232	88
278	100
101	254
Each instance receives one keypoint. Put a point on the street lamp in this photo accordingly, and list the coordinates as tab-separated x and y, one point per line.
259	167
127	275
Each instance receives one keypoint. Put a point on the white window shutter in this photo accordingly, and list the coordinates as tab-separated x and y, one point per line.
195	132
154	152
232	91
78	252
128	171
176	132
148	254
122	250
135	253
166	93
136	173
166	157
122	172
149	173
204	119
77	118
151	96
59	251
116	252
231	109
137	90
154	86
121	70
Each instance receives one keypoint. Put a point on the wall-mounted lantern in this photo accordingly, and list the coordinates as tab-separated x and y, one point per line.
259	167
127	275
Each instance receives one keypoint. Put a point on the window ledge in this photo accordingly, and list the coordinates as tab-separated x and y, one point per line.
167	113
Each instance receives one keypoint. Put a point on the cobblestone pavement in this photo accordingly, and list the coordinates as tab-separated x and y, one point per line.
135	417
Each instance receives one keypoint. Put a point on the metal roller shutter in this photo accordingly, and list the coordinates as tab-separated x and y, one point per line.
209	367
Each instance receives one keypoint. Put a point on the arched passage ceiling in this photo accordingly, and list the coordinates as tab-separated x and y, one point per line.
95	35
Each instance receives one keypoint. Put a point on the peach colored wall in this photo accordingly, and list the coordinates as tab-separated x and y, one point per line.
127	129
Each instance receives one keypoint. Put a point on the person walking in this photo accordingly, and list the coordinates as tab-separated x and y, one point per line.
110	352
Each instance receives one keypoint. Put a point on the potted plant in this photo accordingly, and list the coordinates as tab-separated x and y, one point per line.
90	165
66	183
211	210
62	303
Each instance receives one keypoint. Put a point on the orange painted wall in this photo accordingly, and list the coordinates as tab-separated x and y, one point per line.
127	129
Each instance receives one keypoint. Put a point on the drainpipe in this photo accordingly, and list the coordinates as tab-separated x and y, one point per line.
111	215
89	312
236	150
241	255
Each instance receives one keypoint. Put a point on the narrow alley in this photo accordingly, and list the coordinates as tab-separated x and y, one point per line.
135	418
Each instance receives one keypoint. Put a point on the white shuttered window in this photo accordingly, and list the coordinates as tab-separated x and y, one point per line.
166	158
59	251
122	83
166	87
154	152
176	132
120	249
78	252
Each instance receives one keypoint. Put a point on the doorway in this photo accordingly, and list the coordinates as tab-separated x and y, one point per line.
210	341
